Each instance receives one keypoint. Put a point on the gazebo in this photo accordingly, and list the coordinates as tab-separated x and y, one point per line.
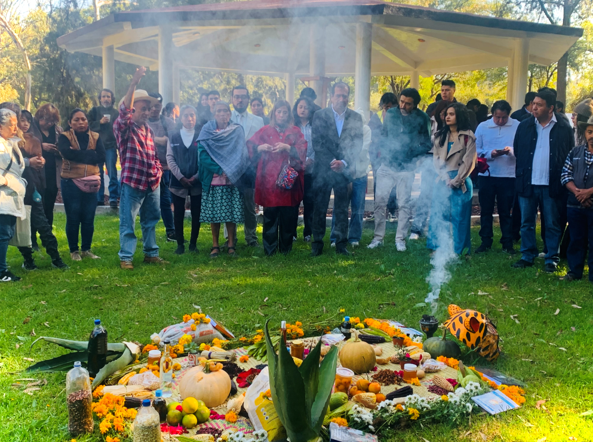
316	39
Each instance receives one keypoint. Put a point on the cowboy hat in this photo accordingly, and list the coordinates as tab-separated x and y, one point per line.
584	124
142	95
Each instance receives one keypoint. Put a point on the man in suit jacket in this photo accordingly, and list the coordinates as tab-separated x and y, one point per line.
525	111
542	143
251	124
337	140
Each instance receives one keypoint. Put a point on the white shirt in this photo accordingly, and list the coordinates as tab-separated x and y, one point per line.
249	122
540	172
187	136
489	137
339	119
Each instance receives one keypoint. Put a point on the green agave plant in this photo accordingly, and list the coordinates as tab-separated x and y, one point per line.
301	394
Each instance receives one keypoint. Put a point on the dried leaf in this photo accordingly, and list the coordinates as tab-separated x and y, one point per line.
504	286
537	299
266	299
40	382
562	348
42	302
557	311
27	286
17	346
29	359
30	391
33	332
26	320
46	324
481	293
527	360
539	404
484	437
573	329
576	306
514	318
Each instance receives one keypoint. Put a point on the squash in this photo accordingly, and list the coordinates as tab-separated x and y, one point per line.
442	347
358	356
212	387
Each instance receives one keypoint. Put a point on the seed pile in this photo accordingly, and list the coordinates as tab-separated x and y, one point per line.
215	432
147	432
387	377
80	414
437	390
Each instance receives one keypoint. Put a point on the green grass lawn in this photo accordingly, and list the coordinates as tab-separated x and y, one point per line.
552	353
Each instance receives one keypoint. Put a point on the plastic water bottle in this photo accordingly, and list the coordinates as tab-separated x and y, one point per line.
97	349
166	369
346	328
80	400
147	427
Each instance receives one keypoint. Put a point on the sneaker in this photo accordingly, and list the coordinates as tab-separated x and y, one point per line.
7	276
307	238
333	244
180	249
354	243
400	246
521	264
542	255
193	248
483	248
550	268
30	265
414	236
126	265
89	254
374	244
59	264
75	256
171	237
155	260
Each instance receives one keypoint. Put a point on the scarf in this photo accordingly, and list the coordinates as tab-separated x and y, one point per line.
227	148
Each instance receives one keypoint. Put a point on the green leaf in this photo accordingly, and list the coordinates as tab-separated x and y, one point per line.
327	375
272	368
78	345
309	370
125	359
60	363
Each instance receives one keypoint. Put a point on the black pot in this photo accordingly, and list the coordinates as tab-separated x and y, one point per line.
429	327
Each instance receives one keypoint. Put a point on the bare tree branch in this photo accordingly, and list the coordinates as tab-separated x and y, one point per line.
545	11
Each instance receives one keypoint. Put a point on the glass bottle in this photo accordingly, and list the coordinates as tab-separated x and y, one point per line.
80	399
166	370
160	405
346	328
97	349
147	426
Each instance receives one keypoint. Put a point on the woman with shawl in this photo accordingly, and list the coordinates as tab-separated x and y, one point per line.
222	162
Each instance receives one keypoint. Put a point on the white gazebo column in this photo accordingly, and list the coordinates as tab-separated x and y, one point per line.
415	80
289	79
364	42
109	67
317	61
510	78
520	70
166	63
175	77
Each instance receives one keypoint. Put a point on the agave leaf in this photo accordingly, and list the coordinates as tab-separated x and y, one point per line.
78	345
272	368
327	374
310	372
60	363
125	359
290	389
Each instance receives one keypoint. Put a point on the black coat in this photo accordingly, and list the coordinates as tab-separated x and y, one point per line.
329	146
520	114
561	143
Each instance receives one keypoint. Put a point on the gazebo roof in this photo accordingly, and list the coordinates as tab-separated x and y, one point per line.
271	37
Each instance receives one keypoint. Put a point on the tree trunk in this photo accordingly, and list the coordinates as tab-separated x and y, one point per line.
19	44
97	7
563	62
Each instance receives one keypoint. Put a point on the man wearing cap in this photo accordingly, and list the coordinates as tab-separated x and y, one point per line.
140	174
577	176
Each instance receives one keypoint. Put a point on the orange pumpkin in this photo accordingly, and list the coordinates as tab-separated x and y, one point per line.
213	388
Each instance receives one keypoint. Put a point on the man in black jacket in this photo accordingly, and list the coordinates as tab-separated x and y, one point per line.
337	139
541	145
525	111
101	120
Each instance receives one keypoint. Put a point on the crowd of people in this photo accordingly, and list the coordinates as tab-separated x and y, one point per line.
223	162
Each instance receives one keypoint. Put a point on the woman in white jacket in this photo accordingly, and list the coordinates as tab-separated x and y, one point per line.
12	187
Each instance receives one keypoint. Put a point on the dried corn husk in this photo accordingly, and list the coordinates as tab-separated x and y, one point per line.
143	394
442	382
235	404
368	400
123	390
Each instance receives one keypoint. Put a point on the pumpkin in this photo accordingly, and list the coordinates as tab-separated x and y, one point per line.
358	356
442	347
211	387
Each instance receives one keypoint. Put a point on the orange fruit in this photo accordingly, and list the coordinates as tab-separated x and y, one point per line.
354	391
374	387
362	384
380	397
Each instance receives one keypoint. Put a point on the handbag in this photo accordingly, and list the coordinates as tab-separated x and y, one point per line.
22	231
286	177
88	184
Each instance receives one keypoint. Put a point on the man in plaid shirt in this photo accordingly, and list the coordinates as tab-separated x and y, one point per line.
140	175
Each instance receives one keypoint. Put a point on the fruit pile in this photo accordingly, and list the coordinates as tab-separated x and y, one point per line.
189	413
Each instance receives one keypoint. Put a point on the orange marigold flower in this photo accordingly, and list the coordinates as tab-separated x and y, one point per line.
149	347
231	417
195	316
118	424
112	439
414	414
340	421
186	318
193	327
298	324
104	426
98	391
399	407
244	358
242	339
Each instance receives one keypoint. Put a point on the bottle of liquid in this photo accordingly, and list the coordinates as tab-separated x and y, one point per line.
160	405
97	349
283	330
80	401
147	427
346	328
166	370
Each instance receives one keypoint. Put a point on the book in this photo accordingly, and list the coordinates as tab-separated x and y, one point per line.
495	402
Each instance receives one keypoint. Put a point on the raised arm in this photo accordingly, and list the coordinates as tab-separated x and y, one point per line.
129	98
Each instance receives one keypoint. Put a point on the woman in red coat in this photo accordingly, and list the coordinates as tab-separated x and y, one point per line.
272	147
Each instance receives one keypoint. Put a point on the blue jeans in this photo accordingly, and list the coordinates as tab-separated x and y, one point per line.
451	209
580	223
166	212
550	211
111	164
7	224
131	203
427	180
357	200
80	215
